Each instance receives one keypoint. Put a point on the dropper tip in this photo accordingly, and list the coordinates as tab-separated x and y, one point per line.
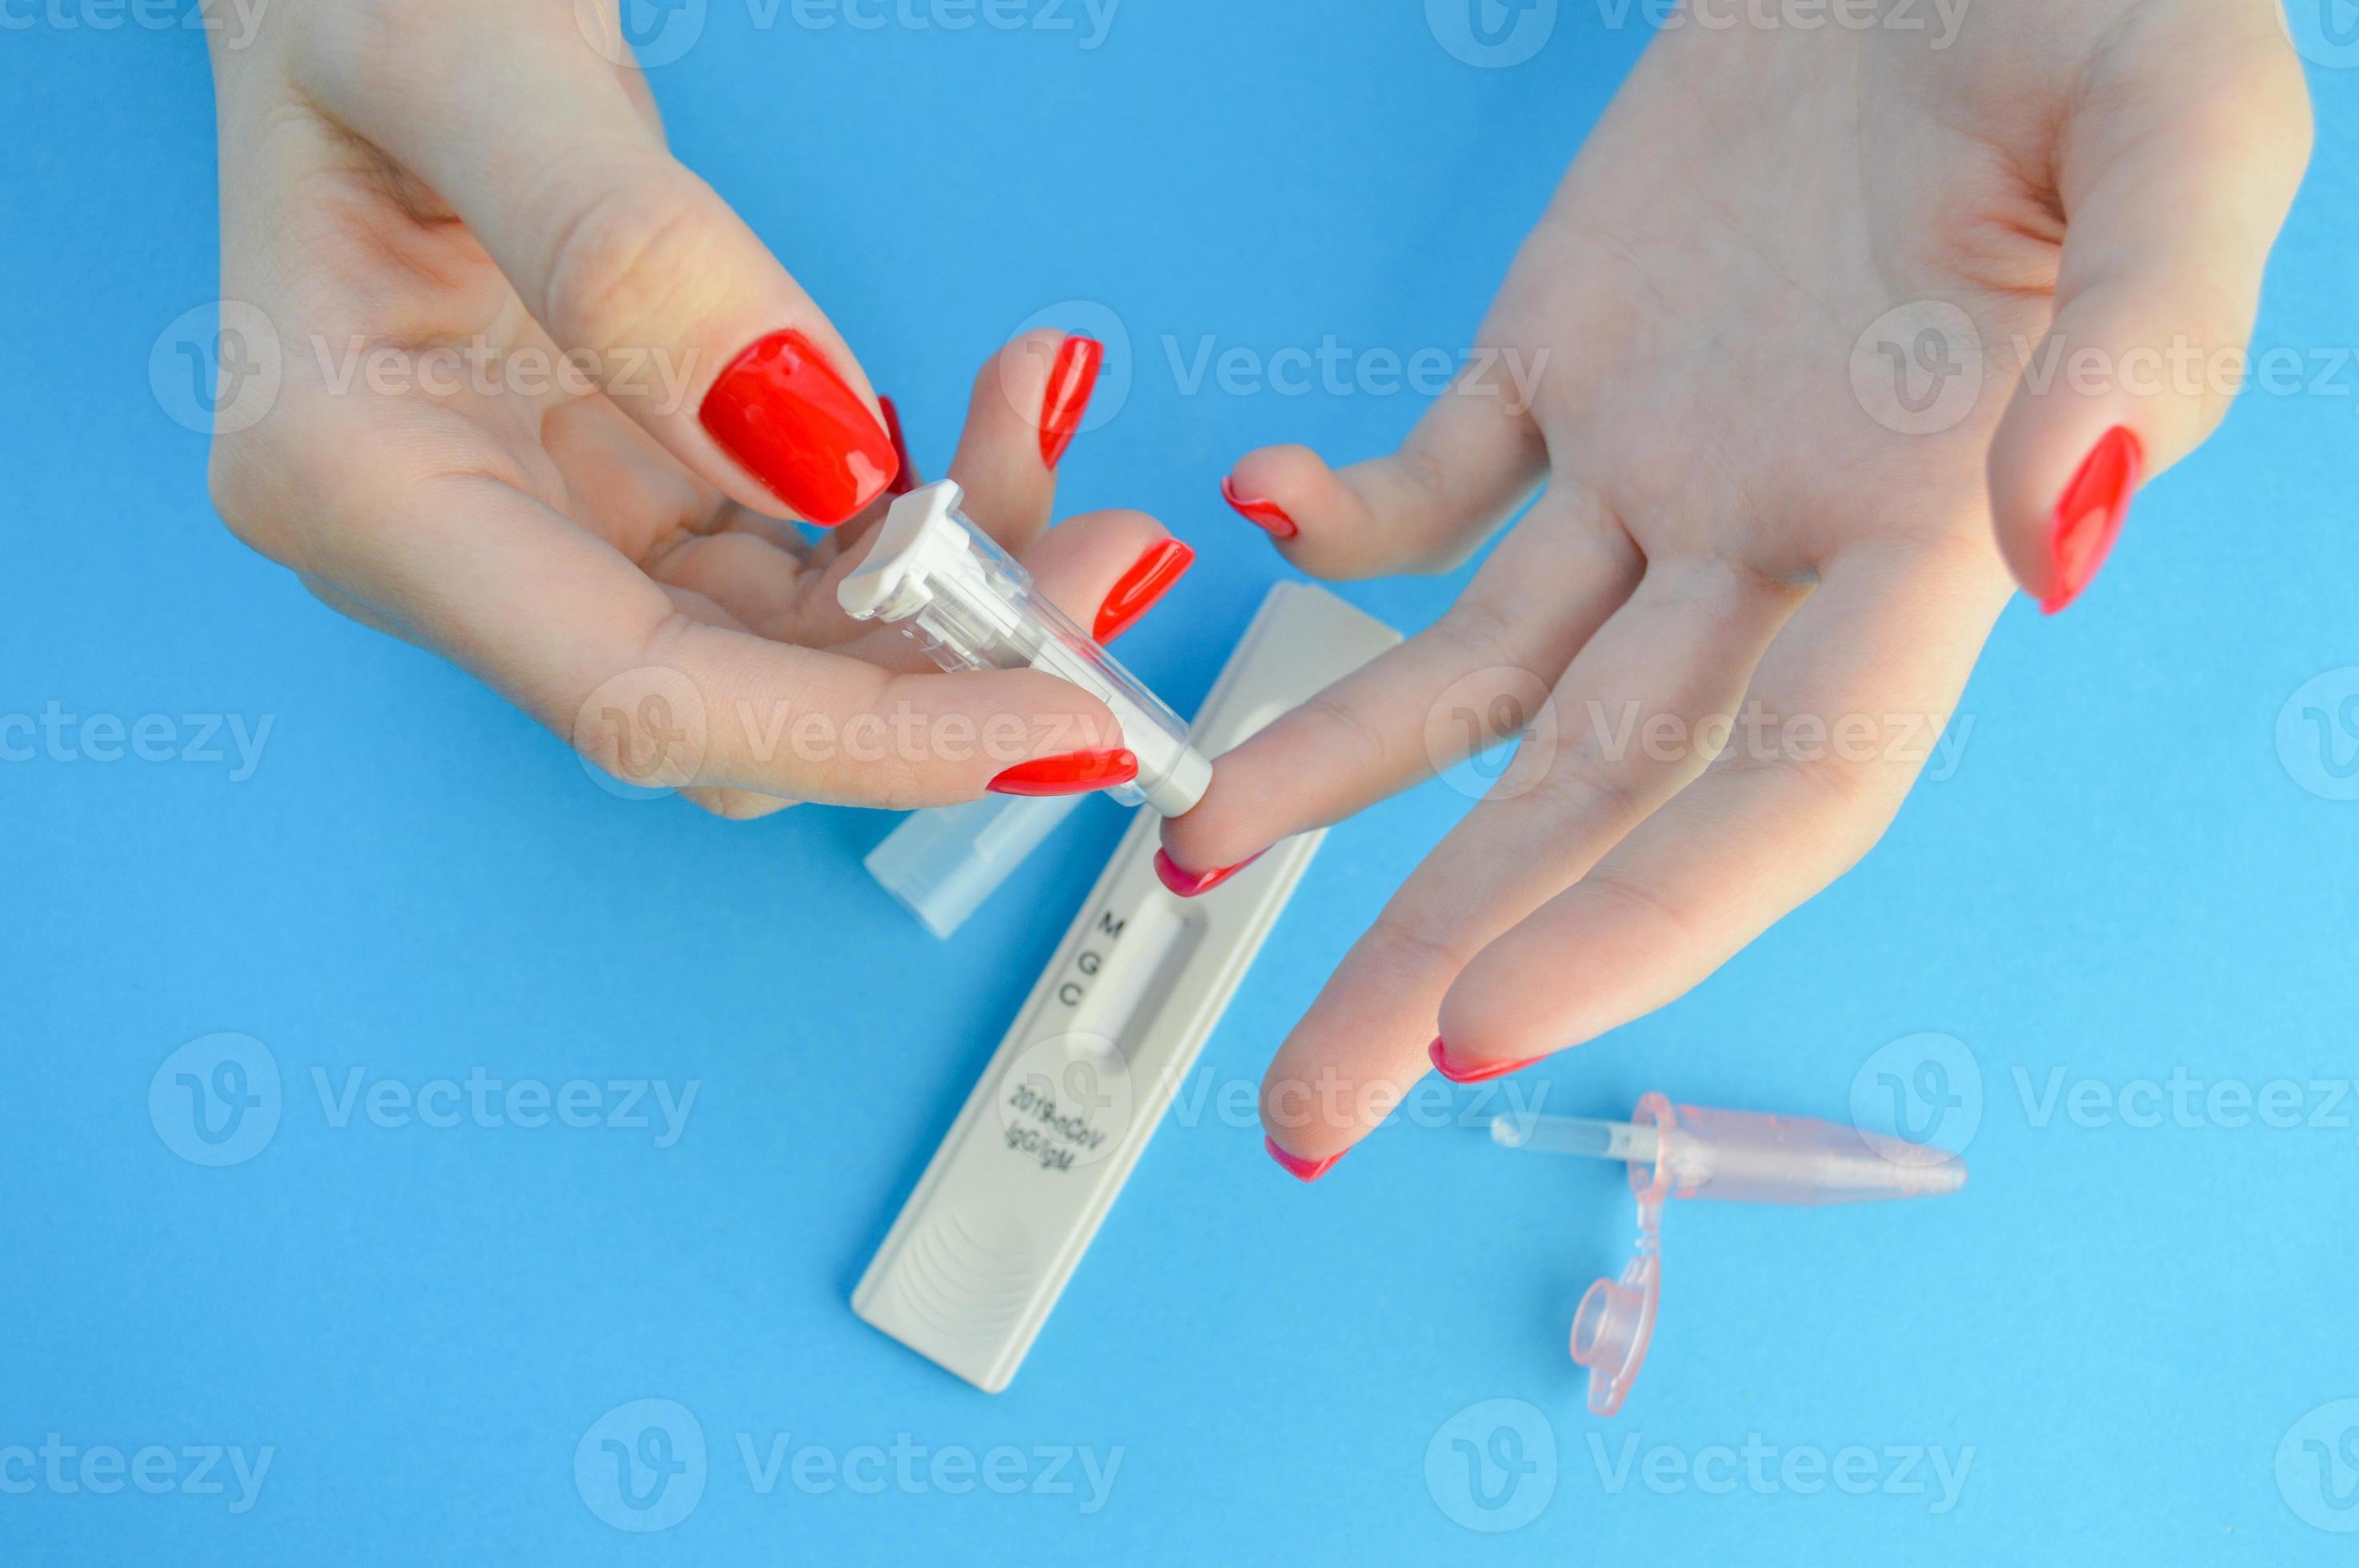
1508	1132
1938	1180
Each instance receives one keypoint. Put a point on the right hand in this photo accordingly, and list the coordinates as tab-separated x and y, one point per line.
546	398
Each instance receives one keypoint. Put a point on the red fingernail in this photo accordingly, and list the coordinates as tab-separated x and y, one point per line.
1296	1165
1476	1073
1071	774
2089	517
1188	884
1070	381
1268	513
1150	579
905	472
791	422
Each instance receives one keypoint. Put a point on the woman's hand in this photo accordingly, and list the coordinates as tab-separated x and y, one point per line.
546	397
1746	514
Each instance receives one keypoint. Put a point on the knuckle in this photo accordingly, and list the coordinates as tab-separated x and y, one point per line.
1586	790
1402	944
1844	807
1635	901
626	257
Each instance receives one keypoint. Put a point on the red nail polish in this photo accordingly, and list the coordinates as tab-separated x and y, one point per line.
1439	1053
1147	580
2089	517
1188	884
905	472
791	422
1070	381
1296	1165
1071	774
1268	513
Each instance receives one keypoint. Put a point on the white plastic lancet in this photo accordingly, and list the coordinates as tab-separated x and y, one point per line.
936	576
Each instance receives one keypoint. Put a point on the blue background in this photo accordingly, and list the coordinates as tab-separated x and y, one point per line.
2123	878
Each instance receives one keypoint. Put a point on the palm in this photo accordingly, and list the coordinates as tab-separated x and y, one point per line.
1788	466
1719	257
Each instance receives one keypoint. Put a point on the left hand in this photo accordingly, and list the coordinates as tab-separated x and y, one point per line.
1733	523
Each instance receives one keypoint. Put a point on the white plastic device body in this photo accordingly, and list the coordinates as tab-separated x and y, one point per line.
932	573
983	1246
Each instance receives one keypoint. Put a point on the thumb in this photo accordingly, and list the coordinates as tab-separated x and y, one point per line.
630	263
2175	171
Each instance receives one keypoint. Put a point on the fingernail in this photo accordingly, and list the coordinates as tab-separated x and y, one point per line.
1474	1073
1147	580
2089	517
1188	884
905	472
1296	1165
791	422
1072	773
1070	381
1268	513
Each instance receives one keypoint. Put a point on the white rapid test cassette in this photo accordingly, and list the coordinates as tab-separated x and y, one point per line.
1019	1186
